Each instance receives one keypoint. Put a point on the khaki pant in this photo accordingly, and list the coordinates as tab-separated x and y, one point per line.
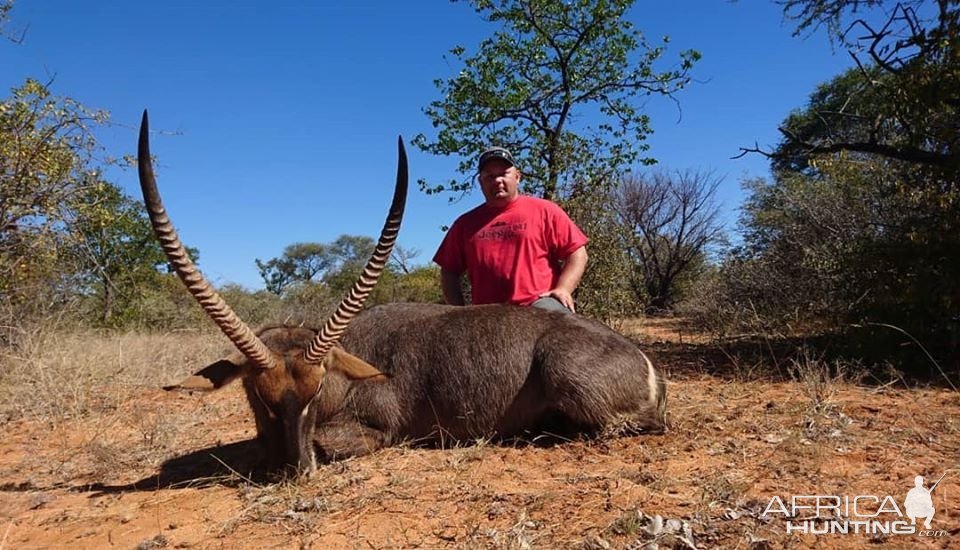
550	303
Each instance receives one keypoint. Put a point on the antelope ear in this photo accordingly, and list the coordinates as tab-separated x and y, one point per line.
213	376
351	366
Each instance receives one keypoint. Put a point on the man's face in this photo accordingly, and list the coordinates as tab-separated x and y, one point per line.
499	181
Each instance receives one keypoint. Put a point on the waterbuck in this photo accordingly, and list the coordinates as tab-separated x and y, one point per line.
443	373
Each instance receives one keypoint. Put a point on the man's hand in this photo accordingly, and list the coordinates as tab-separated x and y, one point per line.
573	268
563	296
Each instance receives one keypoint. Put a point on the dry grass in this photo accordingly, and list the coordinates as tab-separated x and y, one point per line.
675	330
820	383
94	383
57	376
85	420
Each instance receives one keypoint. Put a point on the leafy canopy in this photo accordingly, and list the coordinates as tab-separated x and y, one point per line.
903	100
117	255
46	151
860	222
302	263
533	85
68	237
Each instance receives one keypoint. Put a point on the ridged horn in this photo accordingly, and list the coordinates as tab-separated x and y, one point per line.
352	303
225	318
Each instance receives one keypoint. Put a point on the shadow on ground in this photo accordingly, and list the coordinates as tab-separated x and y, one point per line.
898	360
223	465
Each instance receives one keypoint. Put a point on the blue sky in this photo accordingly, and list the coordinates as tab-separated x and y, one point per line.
276	122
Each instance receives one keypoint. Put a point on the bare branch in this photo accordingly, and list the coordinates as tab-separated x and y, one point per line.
673	219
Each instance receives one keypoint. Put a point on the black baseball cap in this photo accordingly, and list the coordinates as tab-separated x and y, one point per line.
495	153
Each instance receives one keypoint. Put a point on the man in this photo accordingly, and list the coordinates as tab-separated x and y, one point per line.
515	248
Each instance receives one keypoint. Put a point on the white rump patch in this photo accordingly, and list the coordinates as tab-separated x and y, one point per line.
651	379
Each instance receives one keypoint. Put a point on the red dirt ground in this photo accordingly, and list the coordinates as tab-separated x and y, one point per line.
171	470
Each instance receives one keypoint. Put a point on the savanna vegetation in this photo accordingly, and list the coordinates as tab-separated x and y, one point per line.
812	347
854	237
851	244
856	234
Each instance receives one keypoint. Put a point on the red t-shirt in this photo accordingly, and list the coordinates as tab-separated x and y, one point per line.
511	254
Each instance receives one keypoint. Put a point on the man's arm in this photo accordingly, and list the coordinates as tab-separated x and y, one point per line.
570	275
450	283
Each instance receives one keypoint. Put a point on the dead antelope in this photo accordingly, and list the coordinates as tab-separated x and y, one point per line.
443	373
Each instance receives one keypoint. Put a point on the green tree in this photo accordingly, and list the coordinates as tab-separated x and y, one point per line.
305	263
410	282
350	253
904	101
255	307
605	292
299	263
311	299
6	6
71	243
861	222
551	65
418	284
47	150
117	256
846	246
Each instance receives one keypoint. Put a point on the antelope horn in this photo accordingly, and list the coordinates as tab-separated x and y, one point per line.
352	303
229	322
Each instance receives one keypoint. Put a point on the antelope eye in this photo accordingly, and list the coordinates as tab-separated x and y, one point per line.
273	414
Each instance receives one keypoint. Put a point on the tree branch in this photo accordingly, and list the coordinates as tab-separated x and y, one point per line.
904	153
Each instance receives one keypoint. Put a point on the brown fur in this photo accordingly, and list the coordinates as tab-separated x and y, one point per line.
452	374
